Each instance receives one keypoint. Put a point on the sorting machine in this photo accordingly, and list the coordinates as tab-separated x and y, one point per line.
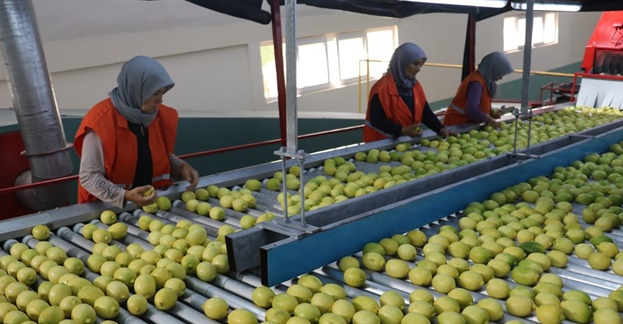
274	253
603	64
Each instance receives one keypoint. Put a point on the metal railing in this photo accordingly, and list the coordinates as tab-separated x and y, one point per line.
189	156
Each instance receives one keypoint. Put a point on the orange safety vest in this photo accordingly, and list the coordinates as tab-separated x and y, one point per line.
120	147
395	108
455	114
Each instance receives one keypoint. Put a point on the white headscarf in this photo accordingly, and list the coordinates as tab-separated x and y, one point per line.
140	78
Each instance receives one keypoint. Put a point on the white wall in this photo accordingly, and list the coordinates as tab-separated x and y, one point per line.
214	59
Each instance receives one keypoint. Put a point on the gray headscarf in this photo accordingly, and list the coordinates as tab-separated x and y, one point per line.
140	78
404	55
492	67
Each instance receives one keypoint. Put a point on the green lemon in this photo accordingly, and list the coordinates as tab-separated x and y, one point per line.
471	280
51	315
462	296
576	310
41	232
498	288
107	307
520	306
493	308
68	303
337	292
263	296
549	313
354	277
241	316
423	308
443	283
83	314
216	308
475	314
137	305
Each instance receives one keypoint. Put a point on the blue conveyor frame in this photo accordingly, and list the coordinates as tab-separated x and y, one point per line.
294	256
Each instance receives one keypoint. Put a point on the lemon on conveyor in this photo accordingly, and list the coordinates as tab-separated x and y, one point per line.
41	232
216	308
137	305
520	306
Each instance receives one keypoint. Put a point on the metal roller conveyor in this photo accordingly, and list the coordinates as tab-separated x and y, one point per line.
153	315
178	212
228	212
128	238
180	310
124	316
427	207
232	299
407	287
335	278
133	228
274	253
578	274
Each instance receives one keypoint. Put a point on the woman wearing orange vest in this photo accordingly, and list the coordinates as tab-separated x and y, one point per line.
125	142
472	102
397	104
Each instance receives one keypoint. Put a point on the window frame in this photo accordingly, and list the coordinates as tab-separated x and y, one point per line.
520	37
332	52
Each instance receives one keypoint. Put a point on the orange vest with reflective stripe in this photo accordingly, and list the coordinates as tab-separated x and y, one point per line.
120	147
395	108
454	117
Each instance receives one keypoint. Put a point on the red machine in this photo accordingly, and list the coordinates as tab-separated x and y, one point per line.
604	50
603	64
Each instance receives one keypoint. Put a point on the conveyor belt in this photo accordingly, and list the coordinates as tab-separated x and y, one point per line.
288	249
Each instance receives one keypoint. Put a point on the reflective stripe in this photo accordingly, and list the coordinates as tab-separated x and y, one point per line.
369	124
162	177
457	109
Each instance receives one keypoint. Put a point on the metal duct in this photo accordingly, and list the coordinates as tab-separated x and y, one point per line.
35	106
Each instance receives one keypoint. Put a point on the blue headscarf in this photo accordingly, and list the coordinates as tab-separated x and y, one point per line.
492	67
140	78
404	55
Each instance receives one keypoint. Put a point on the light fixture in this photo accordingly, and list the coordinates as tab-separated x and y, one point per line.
470	3
549	6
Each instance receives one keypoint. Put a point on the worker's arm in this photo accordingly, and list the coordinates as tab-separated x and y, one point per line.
92	172
474	95
183	170
93	177
472	111
430	120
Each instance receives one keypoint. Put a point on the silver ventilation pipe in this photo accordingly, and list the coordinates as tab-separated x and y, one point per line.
35	107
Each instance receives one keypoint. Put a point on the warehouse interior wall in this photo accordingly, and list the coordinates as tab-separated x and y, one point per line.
214	59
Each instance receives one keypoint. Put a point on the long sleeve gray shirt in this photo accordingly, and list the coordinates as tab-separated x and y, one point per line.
93	174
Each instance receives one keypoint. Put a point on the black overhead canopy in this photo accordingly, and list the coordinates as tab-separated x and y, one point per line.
252	9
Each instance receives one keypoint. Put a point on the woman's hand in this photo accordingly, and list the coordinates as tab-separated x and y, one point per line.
490	121
445	133
414	130
495	113
189	174
137	196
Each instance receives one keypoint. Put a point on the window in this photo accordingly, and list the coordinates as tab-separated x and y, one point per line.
544	31
332	61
